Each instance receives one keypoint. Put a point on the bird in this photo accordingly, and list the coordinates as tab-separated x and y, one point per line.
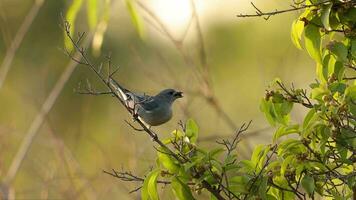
152	110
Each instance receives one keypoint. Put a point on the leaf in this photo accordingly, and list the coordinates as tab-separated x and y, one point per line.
191	130
70	18
262	188
313	42
239	184
101	29
285	130
353	48
181	190
325	15
287	161
339	50
267	109
167	161
149	188
215	152
296	32
135	18
92	13
308	184
308	117
256	155
247	166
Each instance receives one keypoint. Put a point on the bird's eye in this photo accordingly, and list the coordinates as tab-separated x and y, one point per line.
171	93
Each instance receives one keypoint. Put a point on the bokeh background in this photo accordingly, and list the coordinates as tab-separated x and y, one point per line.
83	135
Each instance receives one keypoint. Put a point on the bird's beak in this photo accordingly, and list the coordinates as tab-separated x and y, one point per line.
178	94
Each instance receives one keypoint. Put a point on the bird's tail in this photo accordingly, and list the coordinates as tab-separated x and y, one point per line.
119	90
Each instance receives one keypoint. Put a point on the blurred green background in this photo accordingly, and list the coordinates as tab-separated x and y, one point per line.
83	135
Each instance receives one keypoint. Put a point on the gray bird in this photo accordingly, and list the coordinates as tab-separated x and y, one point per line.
153	110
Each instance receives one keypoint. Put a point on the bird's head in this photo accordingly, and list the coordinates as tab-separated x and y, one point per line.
170	95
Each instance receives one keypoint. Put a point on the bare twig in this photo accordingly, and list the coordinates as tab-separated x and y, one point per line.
260	13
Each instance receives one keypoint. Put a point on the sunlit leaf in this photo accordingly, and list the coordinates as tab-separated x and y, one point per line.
313	42
152	184
70	18
286	162
101	29
92	13
296	32
167	161
149	188
191	130
285	130
135	18
181	189
325	15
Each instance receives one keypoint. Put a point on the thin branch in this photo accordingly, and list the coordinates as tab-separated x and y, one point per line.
260	13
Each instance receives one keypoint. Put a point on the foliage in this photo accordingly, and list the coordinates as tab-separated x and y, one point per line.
318	156
97	21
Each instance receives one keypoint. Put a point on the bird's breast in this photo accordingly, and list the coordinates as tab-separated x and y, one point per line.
156	116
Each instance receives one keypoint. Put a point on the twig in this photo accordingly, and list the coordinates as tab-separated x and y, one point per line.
259	13
85	61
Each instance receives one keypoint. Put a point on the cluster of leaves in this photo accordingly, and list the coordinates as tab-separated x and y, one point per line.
320	158
317	159
196	169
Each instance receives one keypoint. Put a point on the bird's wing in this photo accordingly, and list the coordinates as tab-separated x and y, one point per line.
128	97
149	104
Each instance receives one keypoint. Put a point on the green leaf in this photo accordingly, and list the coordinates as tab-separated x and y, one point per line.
92	13
296	32
70	18
285	130
308	117
239	184
167	161
215	152
319	92
339	50
290	146
325	15
181	190
101	29
191	130
267	108
149	188
256	155
287	161
353	48
247	166
135	18
313	42
308	184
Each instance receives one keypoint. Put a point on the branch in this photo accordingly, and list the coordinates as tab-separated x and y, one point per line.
260	13
85	61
